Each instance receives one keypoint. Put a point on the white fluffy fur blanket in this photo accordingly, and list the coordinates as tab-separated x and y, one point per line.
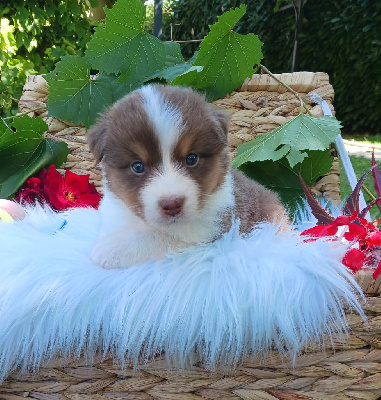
222	300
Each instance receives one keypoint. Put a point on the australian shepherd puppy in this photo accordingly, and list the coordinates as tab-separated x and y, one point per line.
168	181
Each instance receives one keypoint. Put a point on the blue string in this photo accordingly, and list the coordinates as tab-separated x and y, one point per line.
64	223
62	226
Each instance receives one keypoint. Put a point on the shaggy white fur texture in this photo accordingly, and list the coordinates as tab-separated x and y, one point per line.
225	299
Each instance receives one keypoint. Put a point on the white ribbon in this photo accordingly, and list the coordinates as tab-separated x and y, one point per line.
348	167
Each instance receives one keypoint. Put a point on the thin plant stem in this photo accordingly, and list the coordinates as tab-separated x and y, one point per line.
25	112
189	41
368	192
302	103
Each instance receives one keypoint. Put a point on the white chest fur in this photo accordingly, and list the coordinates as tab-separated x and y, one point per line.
126	240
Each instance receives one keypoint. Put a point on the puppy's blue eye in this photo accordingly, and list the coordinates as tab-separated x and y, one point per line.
191	159
138	167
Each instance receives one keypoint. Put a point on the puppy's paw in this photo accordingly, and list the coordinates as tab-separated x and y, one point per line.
125	249
107	258
111	253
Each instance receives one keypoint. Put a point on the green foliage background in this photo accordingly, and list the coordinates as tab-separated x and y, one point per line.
33	37
340	37
167	18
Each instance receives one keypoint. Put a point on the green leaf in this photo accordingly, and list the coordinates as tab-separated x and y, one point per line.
121	46
227	58
267	146
27	126
15	150
173	54
175	64
171	73
75	96
25	152
306	132
295	157
290	139
281	178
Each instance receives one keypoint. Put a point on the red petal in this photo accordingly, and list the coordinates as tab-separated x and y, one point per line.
321	230
33	183
86	193
375	238
43	174
363	222
377	271
30	196
356	232
76	183
90	199
343	220
54	188
354	259
92	189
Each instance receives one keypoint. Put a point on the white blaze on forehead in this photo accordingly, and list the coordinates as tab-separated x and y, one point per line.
165	118
169	179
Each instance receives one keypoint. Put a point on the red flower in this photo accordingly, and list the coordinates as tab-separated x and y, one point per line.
354	259
61	193
31	191
364	236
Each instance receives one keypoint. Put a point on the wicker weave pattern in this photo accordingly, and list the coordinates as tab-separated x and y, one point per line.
259	106
352	372
262	104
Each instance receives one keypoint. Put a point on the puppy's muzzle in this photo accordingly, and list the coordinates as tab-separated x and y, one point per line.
171	206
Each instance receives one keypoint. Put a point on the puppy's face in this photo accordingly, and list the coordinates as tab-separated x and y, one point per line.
163	151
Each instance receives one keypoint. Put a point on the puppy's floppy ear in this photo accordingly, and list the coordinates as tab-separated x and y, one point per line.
222	119
96	138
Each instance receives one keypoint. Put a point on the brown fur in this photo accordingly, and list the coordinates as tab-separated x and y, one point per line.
122	136
254	203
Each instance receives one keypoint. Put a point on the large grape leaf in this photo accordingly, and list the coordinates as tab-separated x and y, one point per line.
227	57
121	46
24	151
76	96
291	139
281	178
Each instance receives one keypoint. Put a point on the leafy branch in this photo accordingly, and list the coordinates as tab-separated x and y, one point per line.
126	57
290	140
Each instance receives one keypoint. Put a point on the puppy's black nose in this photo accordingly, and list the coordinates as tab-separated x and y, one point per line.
172	205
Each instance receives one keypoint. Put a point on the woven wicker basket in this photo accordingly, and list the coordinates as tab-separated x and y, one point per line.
350	370
259	106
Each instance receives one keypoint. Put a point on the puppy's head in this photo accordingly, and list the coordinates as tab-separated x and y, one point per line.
164	152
